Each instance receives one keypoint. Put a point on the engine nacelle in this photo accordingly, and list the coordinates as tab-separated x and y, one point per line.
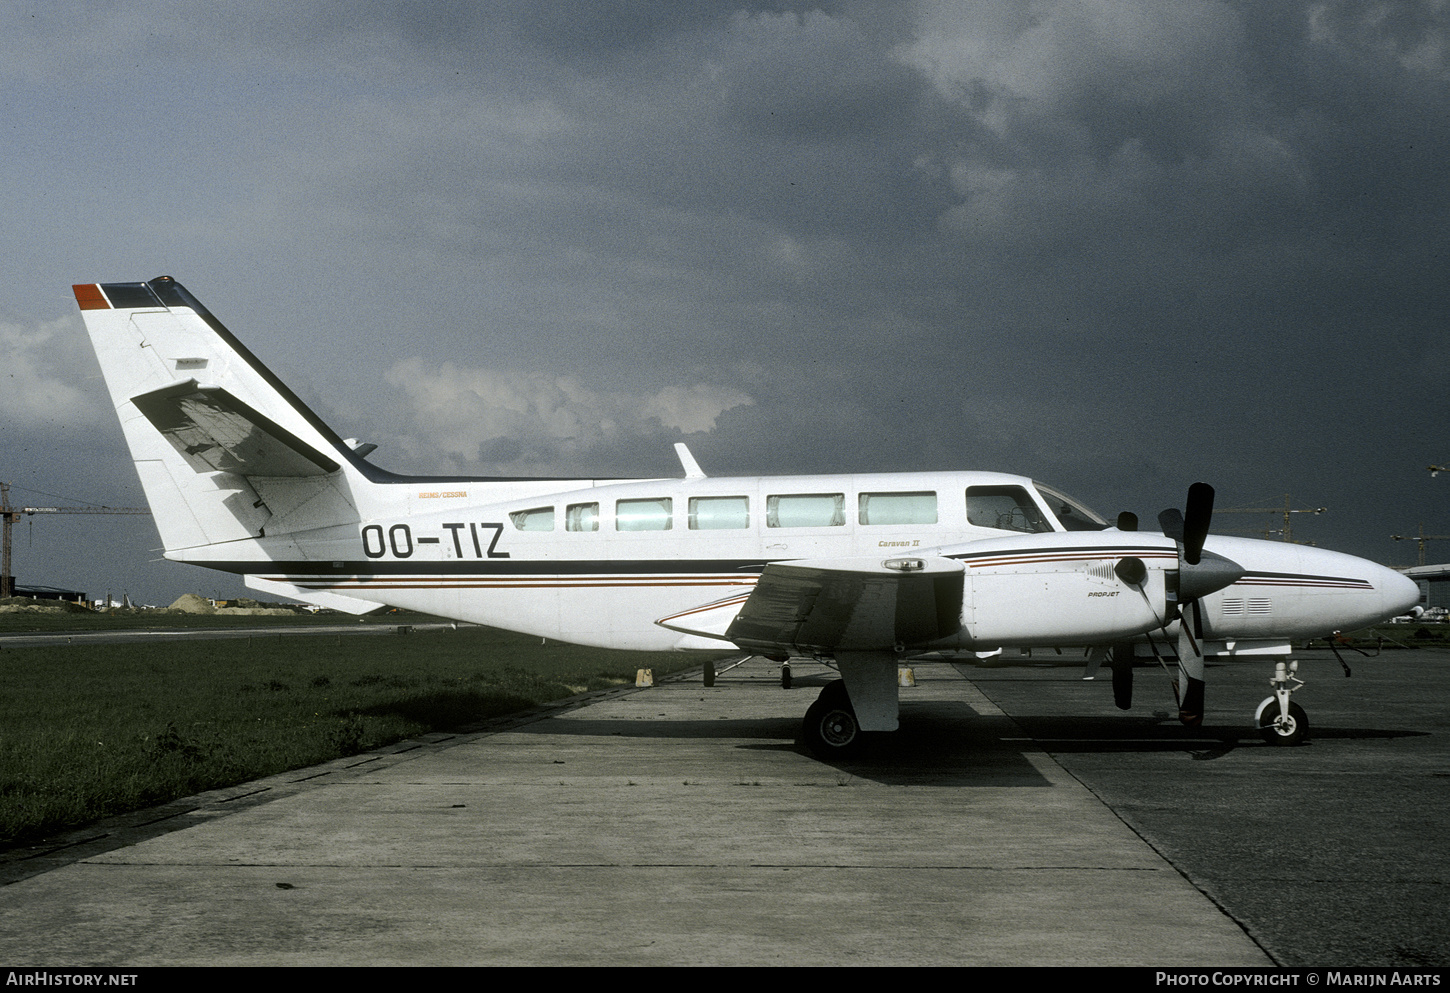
1063	589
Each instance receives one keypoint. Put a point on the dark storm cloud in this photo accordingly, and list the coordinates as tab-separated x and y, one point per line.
1119	246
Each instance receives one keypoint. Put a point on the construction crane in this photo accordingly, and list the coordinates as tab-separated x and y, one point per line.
1286	510
1423	537
9	515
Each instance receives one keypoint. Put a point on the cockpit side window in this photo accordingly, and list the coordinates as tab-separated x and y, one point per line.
1068	510
1004	508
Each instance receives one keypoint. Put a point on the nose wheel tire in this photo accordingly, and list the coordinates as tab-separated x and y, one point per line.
830	729
1278	729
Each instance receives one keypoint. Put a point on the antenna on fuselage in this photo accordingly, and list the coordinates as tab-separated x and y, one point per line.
692	468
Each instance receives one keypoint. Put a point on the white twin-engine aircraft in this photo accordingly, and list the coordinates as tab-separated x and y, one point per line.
860	570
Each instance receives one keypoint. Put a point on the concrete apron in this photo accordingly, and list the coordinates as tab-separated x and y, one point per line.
672	825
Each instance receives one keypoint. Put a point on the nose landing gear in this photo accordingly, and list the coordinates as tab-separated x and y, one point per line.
1281	721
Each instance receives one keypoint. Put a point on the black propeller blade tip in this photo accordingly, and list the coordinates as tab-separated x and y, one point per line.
1196	520
1171	521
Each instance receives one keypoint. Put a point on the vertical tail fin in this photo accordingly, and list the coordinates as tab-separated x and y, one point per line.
226	453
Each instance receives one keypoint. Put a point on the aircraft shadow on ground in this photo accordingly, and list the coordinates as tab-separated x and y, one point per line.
1162	733
947	743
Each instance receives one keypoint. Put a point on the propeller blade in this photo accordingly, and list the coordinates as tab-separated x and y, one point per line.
1122	663
1171	521
1196	578
1190	666
1196	521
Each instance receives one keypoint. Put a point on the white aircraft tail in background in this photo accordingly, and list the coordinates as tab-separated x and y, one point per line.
860	570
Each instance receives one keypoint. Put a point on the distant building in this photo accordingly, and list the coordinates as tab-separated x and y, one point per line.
1434	583
49	593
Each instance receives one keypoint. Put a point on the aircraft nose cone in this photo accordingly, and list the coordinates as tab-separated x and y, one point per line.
1400	592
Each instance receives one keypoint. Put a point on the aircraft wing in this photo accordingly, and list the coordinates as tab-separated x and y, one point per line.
216	432
850	604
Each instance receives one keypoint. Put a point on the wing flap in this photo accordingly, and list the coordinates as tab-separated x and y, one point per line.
851	604
216	432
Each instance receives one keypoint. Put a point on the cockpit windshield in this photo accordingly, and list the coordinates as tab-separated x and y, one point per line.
1069	510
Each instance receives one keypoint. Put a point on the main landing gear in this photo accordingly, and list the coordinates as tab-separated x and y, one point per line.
1280	720
830	729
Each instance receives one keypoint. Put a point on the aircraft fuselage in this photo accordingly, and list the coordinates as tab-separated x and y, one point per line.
600	562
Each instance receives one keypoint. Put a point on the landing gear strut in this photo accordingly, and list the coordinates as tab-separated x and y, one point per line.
830	729
1280	720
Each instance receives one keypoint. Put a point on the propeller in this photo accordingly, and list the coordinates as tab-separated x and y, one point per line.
1199	574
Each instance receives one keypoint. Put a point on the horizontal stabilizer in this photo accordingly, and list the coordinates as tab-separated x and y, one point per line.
328	601
216	432
851	604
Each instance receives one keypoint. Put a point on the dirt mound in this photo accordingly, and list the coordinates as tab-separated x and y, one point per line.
190	603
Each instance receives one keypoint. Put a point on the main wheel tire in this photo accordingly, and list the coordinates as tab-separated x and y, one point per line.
1280	730
830	728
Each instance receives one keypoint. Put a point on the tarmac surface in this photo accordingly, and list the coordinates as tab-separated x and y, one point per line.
1017	818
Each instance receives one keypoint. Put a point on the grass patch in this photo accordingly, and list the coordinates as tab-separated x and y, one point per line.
91	731
1418	635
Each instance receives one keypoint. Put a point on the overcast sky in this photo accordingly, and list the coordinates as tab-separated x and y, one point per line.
1118	246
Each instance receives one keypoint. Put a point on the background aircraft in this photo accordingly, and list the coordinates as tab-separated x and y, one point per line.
862	570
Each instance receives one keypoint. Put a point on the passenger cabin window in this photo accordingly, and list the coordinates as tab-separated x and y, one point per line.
897	508
538	519
729	513
1004	508
1073	515
805	510
582	517
644	515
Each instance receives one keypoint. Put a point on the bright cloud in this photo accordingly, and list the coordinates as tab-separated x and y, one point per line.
476	413
37	384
